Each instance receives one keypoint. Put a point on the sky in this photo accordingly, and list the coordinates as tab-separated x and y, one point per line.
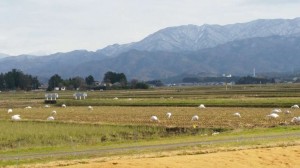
40	27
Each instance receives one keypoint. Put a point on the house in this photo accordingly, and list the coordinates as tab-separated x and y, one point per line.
97	83
117	84
63	88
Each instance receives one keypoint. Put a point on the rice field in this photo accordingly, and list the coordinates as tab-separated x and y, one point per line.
77	125
127	119
213	96
210	117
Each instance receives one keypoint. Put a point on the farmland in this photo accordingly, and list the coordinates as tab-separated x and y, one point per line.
213	117
122	117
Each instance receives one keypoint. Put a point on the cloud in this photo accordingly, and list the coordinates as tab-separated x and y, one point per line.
271	2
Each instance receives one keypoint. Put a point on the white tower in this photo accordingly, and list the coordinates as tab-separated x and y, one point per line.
253	72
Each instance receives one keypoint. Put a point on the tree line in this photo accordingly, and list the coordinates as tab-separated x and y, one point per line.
111	80
17	80
119	80
236	79
70	83
254	80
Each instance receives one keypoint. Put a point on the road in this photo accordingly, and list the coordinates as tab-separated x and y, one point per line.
145	147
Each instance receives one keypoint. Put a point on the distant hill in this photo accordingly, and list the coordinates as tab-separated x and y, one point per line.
64	64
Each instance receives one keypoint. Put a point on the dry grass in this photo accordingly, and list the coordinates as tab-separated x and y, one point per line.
260	156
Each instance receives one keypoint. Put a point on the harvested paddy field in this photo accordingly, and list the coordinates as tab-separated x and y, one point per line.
120	120
211	117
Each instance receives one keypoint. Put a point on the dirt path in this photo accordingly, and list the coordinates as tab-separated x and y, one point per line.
277	157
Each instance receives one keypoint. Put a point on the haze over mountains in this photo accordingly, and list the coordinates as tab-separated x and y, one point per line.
267	45
3	55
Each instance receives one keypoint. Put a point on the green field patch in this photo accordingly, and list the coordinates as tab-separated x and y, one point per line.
28	135
220	140
186	102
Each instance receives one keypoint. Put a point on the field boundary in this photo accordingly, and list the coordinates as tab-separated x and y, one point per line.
145	147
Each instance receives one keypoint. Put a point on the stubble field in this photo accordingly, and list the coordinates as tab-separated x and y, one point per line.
123	117
210	117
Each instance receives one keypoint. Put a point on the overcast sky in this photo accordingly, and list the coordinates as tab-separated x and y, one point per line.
48	26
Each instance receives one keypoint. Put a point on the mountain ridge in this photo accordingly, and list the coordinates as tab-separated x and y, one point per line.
193	37
267	45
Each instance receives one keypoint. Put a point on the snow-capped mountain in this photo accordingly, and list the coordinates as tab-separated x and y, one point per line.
192	37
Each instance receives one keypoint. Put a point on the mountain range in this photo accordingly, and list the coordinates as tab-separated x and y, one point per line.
266	45
192	37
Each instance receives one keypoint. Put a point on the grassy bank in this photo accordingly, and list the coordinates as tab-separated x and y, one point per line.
37	134
193	149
